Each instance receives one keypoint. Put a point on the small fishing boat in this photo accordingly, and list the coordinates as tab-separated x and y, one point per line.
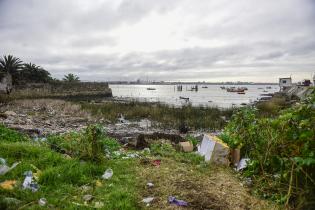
241	93
236	90
222	87
184	98
204	86
151	89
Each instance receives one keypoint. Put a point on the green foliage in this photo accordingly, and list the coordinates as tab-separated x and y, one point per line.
281	149
61	181
162	149
193	140
71	78
31	73
7	134
11	65
167	150
86	145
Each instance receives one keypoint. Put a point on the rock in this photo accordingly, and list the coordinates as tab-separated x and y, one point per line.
10	113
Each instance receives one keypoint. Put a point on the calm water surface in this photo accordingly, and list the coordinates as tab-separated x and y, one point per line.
213	95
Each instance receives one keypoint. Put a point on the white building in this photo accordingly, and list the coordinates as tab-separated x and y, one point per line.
285	83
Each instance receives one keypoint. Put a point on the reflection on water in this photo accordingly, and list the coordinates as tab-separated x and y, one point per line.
207	95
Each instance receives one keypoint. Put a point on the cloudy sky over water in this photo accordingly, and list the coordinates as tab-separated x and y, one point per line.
172	40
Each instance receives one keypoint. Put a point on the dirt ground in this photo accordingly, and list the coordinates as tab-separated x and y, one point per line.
204	187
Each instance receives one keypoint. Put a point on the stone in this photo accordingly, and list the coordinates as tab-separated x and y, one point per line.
10	113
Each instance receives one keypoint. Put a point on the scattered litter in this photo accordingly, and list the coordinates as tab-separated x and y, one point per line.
29	183
86	188
98	205
131	155
67	156
38	172
116	153
150	184
236	155
214	150
4	168
173	200
87	198
122	119
156	162
98	183
242	164
108	174
186	146
146	150
148	200
8	184
248	182
42	202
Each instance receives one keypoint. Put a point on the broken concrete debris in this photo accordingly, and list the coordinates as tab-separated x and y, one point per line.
214	150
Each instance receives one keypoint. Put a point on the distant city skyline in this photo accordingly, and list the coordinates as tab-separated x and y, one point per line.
178	40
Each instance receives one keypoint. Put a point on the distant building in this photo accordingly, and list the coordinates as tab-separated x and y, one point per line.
285	83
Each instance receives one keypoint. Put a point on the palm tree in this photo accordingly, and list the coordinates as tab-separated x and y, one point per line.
33	73
71	78
10	65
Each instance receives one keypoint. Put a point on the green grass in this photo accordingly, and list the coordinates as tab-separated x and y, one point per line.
61	178
168	116
11	135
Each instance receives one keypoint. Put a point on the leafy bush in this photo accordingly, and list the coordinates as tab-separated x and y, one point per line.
281	149
89	144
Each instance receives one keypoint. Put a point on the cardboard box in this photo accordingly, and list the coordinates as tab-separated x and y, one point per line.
186	146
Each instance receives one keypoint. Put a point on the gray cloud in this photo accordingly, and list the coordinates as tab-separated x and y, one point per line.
217	41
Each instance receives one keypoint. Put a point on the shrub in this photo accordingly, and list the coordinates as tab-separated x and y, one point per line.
281	150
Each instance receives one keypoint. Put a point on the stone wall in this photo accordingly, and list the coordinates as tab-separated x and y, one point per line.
62	90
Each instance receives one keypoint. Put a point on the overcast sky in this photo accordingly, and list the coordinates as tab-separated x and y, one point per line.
171	40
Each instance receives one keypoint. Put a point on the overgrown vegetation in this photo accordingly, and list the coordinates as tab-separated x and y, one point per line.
169	117
69	174
87	145
64	180
281	151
